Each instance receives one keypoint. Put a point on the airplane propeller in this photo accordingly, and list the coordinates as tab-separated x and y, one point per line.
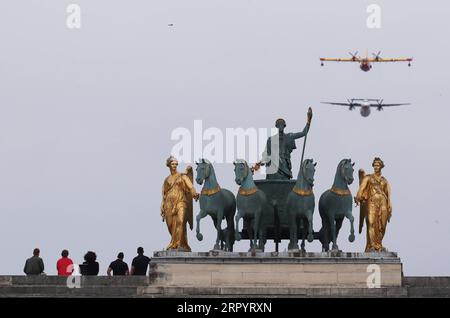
353	55
350	104
380	105
377	56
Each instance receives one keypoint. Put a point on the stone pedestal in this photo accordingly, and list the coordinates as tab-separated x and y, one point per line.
277	270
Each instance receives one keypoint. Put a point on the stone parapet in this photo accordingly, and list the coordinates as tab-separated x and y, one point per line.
305	270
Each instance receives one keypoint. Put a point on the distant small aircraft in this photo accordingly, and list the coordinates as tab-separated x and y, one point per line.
365	62
365	105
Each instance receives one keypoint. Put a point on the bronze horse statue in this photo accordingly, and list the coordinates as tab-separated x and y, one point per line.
335	204
216	202
300	205
251	202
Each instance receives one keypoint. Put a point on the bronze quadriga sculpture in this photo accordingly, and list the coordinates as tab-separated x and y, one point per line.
278	207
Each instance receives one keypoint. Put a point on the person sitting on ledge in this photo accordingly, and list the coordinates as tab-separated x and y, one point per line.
64	265
118	267
34	265
90	266
140	263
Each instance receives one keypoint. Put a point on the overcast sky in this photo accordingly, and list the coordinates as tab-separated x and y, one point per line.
86	115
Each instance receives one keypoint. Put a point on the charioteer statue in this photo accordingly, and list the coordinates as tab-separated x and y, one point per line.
277	155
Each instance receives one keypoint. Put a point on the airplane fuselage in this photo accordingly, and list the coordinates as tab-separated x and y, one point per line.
365	65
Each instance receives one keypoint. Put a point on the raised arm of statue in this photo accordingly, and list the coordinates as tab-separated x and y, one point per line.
302	133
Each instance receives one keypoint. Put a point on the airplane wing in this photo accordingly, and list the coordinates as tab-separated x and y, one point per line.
342	104
339	60
387	105
390	60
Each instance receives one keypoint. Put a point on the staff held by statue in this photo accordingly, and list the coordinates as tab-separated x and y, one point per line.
309	116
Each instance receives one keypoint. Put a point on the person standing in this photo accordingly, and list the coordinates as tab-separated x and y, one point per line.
34	265
140	263
64	265
118	267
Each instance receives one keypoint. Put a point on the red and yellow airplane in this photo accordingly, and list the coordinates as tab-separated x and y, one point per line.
365	62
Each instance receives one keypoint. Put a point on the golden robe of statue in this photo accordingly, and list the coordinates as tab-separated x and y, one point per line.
374	195
176	206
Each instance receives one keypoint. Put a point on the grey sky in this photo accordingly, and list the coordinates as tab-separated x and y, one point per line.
86	115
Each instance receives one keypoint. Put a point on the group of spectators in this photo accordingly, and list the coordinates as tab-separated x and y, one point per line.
90	267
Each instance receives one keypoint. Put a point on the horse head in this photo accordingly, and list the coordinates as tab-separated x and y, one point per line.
345	170
241	170
308	171
203	170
